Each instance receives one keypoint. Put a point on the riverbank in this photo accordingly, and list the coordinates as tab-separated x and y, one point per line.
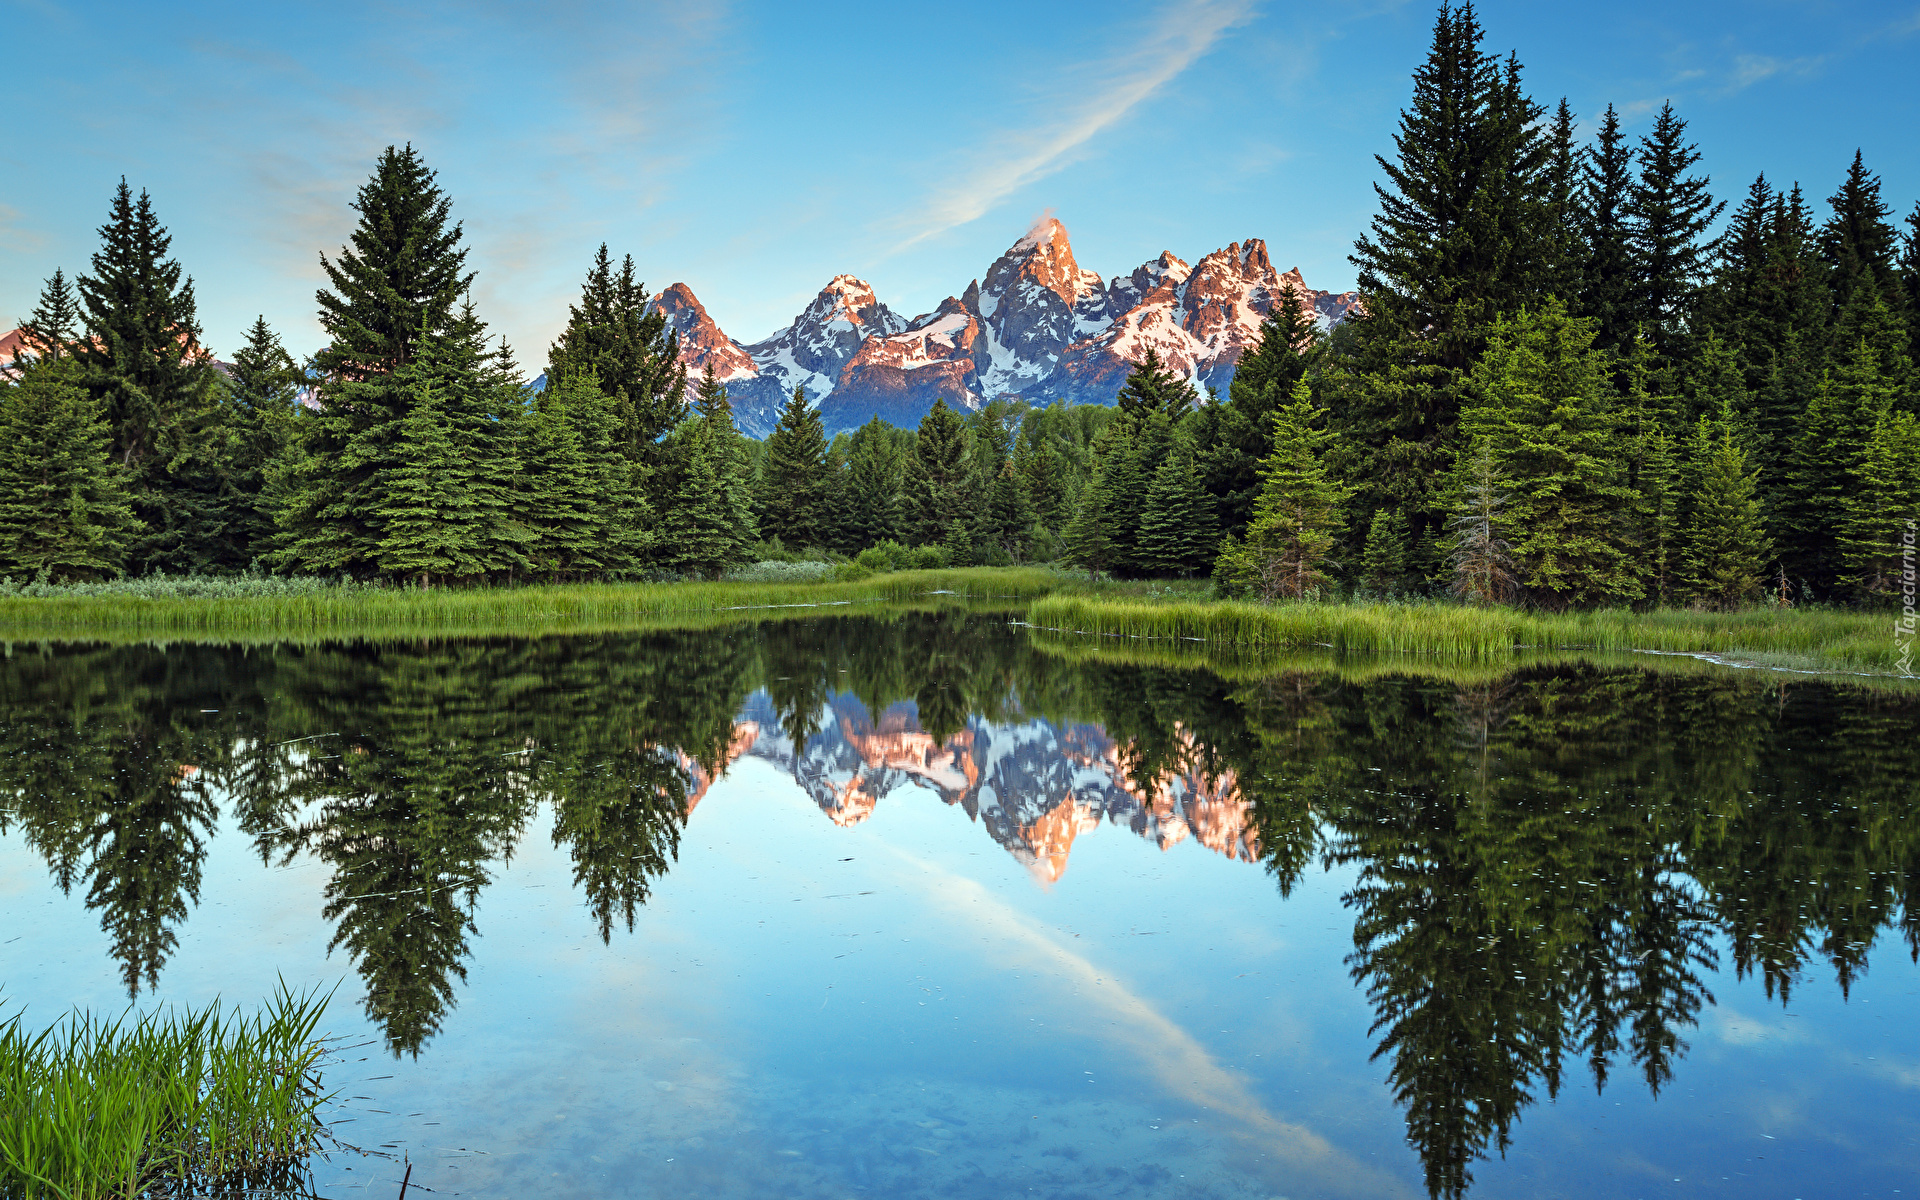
1054	602
1790	639
266	612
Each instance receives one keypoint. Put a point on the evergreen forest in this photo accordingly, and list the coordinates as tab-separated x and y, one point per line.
1580	374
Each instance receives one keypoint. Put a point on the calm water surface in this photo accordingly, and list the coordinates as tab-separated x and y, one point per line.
917	907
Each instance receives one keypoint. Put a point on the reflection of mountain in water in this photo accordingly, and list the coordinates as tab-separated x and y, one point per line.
1035	785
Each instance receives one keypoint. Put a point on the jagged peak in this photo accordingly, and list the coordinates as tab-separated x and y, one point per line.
847	285
1043	232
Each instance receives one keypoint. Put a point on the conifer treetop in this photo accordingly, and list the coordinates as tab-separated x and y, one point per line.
400	279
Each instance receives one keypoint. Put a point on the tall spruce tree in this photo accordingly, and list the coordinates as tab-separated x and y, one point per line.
143	360
564	506
64	510
934	491
1288	342
1860	247
1009	516
1546	412
1383	558
1300	514
1606	292
617	335
1668	215
793	483
713	525
395	291
1463	234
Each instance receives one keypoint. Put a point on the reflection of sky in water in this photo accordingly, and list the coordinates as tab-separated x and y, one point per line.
898	1009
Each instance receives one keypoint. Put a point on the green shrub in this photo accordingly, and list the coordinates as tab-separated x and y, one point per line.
926	558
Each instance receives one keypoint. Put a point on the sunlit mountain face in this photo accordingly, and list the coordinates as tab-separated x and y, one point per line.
1037	325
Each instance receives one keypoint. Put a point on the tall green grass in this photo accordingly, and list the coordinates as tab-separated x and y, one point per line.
404	612
1811	639
172	1103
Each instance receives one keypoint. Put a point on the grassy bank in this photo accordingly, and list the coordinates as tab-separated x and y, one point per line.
175	1103
1808	640
320	611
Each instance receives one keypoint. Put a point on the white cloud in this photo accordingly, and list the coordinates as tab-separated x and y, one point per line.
1175	41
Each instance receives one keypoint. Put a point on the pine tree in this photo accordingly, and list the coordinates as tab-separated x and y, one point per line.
713	515
1715	384
1546	413
624	342
873	485
49	331
1044	477
394	297
425	512
1299	515
144	362
934	490
1668	215
1383	560
563	505
1177	531
1463	234
1564	254
263	409
1659	508
1828	456
64	511
1726	549
1289	341
1910	277
1151	387
1010	517
1880	514
1607	295
395	287
1859	247
1481	559
793	484
1089	538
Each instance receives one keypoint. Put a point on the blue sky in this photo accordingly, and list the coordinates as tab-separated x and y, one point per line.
756	149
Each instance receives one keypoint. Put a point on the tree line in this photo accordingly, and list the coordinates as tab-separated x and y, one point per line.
1561	387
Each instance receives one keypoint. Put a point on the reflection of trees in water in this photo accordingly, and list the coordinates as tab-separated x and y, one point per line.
105	762
1545	866
1545	861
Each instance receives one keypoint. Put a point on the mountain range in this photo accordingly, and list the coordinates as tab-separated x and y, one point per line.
1037	326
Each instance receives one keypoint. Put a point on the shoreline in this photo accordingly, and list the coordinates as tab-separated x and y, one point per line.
1052	604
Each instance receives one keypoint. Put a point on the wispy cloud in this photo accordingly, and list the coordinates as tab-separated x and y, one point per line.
1177	38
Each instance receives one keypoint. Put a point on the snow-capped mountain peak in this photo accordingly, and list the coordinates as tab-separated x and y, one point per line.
1037	325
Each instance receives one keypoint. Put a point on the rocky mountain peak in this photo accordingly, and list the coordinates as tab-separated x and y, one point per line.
701	340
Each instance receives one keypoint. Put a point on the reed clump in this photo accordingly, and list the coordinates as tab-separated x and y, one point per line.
1813	639
164	1104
